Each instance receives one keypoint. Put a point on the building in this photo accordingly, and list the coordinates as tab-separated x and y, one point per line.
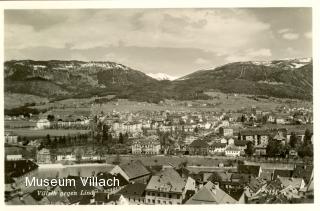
210	193
44	156
218	147
132	172
149	145
67	157
14	157
43	123
232	151
224	131
134	193
10	138
18	170
258	137
168	187
255	187
198	147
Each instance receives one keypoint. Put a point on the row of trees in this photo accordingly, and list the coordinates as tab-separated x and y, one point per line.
278	149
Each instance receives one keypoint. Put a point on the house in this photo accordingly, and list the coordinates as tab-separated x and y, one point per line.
255	187
14	157
297	183
168	187
242	145
198	147
67	157
44	156
210	193
102	198
253	170
280	137
149	145
76	197
10	138
217	147
134	171
18	170
293	153
43	123
118	177
286	186
232	151
224	131
258	137
134	193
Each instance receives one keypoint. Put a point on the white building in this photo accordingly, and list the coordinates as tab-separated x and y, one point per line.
232	151
43	123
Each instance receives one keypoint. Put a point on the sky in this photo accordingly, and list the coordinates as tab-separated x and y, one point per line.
172	41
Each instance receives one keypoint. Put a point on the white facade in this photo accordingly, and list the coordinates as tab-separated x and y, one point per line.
43	123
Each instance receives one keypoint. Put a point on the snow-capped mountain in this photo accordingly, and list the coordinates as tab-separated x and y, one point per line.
161	76
285	63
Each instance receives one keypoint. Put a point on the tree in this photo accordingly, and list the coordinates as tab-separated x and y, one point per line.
50	118
243	118
273	148
120	138
117	160
307	137
293	140
250	149
183	164
79	154
196	129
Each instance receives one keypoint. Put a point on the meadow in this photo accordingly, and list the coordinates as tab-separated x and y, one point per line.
43	133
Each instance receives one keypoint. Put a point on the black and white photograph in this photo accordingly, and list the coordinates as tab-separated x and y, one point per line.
158	106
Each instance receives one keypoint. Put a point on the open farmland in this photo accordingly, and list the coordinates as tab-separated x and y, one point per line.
219	102
43	133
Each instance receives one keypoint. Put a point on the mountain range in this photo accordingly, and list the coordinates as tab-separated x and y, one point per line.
161	76
55	79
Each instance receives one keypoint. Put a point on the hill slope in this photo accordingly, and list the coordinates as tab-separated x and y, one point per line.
69	79
282	78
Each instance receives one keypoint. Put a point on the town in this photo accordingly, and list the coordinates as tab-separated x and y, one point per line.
249	156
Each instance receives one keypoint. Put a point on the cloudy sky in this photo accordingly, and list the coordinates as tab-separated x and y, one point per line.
172	41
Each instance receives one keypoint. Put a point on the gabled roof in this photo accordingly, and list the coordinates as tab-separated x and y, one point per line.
106	176
135	169
167	180
256	184
303	171
18	168
290	181
133	190
211	194
282	173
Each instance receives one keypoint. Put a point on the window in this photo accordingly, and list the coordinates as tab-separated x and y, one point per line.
170	196
153	201
159	202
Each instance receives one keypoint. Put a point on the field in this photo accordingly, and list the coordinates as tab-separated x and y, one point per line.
43	133
16	100
220	102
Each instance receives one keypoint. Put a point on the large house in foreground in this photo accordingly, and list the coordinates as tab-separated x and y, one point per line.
132	172
210	193
168	187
